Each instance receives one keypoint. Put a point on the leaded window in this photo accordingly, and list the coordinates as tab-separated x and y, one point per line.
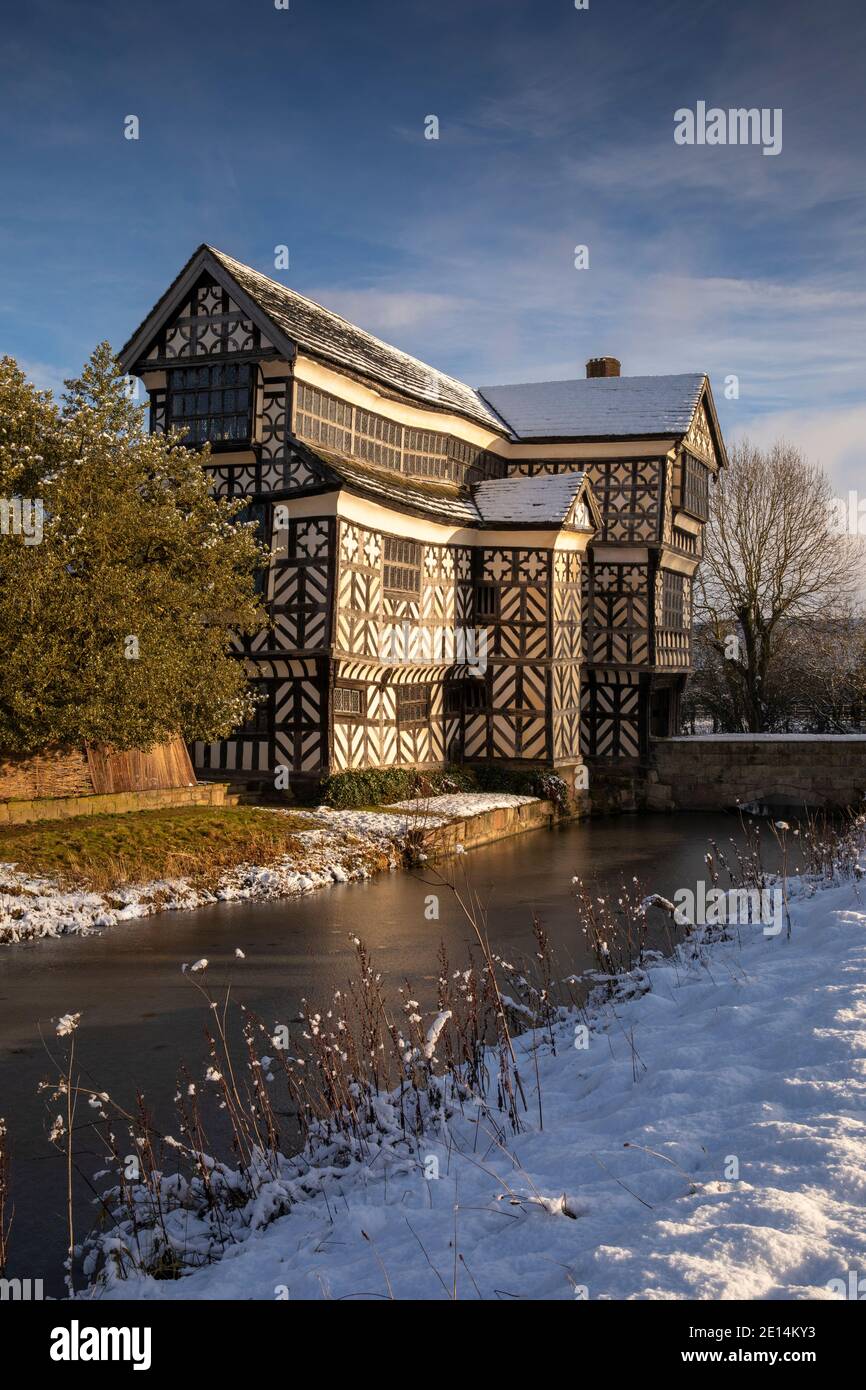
402	570
413	704
695	490
377	439
349	699
323	418
673	600
212	404
427	452
487	598
684	540
453	699
470	695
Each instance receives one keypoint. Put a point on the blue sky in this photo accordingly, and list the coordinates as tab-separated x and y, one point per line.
305	127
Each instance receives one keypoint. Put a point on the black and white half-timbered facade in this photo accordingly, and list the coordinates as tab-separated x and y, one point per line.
456	574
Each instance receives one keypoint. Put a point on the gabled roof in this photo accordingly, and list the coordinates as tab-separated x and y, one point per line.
321	333
598	407
543	500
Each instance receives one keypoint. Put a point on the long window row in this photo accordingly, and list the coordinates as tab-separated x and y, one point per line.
348	429
414	701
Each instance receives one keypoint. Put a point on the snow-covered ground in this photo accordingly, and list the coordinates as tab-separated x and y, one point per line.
709	1142
339	847
422	813
463	805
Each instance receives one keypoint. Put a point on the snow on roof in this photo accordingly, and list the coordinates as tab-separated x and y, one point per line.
442	500
543	499
328	335
601	407
598	407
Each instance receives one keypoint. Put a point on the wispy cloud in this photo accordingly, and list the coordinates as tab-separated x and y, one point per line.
556	130
382	311
836	439
46	375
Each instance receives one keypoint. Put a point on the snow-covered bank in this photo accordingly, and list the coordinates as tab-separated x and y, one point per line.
339	847
708	1142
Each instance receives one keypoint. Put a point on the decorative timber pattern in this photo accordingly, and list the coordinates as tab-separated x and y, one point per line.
516	726
566	651
673	619
636	614
387	642
617	607
532	468
699	438
398	606
209	324
628	492
612	710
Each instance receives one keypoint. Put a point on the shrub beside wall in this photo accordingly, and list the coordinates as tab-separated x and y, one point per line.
381	786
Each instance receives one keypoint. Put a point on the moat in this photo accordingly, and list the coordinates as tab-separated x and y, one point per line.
141	1017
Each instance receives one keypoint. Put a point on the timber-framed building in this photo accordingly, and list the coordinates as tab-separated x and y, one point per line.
457	574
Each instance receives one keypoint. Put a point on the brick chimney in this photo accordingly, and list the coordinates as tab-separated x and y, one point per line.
603	366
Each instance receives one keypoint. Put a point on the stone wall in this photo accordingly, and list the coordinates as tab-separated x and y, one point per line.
717	771
493	825
113	803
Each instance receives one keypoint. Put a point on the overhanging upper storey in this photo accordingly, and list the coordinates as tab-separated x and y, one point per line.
558	502
232	358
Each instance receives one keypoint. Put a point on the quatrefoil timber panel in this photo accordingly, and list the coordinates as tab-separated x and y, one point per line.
616	615
208	324
628	493
301	583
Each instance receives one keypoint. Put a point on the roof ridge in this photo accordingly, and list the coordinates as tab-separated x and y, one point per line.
224	256
568	380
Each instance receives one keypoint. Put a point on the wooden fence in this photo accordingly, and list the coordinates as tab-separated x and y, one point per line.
165	766
94	771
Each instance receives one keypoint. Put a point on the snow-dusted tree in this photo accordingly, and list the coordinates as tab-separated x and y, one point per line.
116	629
773	558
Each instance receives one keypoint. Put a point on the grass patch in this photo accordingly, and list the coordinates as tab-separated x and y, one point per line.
197	843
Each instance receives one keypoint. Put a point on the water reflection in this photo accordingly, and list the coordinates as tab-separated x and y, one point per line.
140	1016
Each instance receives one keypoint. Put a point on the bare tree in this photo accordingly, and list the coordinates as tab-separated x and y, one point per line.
825	672
774	559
